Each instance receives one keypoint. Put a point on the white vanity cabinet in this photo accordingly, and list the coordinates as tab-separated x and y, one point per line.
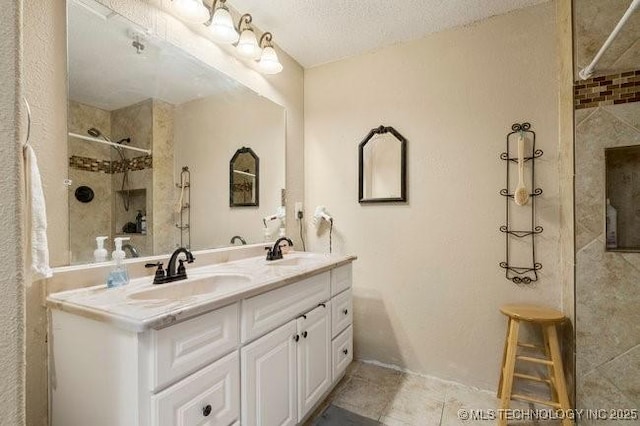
264	360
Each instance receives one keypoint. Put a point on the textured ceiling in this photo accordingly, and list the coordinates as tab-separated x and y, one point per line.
320	31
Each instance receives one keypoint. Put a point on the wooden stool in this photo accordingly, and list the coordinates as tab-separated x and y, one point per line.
547	319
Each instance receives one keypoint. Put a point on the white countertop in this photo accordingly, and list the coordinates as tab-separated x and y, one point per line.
123	308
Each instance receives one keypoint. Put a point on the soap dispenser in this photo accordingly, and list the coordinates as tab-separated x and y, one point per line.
100	253
118	275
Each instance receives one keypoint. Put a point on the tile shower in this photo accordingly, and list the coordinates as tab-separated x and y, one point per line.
607	297
607	115
149	125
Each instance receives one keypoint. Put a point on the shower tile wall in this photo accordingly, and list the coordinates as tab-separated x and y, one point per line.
607	293
88	220
135	122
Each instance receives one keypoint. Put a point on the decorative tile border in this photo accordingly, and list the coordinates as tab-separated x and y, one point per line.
90	164
132	164
609	89
110	167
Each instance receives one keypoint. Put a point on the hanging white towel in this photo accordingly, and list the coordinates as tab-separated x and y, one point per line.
37	214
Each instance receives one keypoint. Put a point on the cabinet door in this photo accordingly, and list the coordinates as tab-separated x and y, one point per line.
314	357
268	370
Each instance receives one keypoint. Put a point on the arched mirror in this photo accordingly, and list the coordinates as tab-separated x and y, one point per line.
383	166
244	178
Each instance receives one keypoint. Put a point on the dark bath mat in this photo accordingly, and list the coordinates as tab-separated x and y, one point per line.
336	416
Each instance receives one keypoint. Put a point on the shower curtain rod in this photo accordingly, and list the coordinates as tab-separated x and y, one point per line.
587	72
117	145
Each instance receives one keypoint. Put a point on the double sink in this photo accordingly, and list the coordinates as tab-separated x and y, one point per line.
206	280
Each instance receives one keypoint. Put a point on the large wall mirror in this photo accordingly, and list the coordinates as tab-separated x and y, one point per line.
159	109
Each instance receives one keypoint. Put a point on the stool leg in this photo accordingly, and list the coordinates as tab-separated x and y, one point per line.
550	370
504	357
508	370
558	371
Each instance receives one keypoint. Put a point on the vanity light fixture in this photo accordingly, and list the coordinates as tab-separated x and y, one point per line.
247	46
223	29
221	23
191	10
268	63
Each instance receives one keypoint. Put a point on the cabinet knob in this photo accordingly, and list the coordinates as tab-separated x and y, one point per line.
304	334
206	410
346	311
345	351
296	337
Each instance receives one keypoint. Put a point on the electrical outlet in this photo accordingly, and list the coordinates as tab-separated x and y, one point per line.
299	212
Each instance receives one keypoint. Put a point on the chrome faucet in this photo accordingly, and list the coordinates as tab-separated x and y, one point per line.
238	237
275	253
132	250
171	274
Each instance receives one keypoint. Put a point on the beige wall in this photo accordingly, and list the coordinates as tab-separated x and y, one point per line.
427	284
208	133
12	380
45	81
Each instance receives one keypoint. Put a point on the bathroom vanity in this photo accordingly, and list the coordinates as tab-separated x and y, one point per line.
248	342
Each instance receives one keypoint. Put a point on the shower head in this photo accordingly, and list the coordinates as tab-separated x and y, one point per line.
96	133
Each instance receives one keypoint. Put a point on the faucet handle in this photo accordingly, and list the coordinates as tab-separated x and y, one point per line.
181	269
160	275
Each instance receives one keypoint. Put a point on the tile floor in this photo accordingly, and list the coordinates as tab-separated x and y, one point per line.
394	398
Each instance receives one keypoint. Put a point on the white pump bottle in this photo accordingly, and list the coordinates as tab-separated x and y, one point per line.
118	275
100	253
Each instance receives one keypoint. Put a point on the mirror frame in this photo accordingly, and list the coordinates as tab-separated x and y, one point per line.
244	150
403	166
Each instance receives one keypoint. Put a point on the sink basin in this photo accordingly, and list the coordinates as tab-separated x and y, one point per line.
190	288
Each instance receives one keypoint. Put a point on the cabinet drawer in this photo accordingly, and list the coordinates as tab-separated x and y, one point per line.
268	311
211	396
183	348
342	352
341	312
340	279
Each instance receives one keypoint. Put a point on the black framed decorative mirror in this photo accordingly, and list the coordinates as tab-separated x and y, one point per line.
244	178
382	161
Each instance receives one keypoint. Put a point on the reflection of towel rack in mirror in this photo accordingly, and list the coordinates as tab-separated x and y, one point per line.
185	207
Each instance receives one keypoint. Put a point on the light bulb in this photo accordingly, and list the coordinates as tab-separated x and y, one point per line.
191	10
269	63
222	26
248	45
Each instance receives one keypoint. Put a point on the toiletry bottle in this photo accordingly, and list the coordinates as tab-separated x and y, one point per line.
118	275
139	222
143	224
100	253
612	226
